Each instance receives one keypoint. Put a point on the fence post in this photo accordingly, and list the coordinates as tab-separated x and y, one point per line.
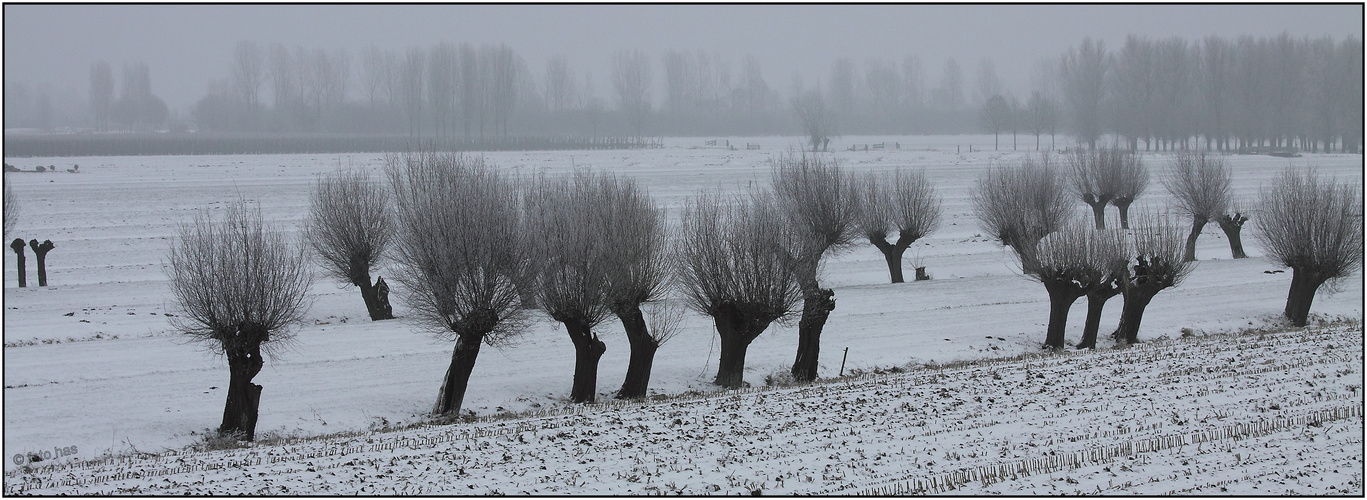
842	361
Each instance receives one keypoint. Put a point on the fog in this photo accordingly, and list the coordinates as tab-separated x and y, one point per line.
50	48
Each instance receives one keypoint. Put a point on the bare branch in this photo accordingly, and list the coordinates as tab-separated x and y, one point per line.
236	280
349	225
461	254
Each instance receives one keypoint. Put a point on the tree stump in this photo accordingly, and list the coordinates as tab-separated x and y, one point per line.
921	274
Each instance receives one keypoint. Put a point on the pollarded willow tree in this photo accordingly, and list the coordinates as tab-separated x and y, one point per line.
349	229
239	286
1020	204
732	269
1199	184
1102	176
904	202
820	206
1312	225
571	261
817	118
642	265
1071	263
1232	221
461	254
1154	264
1133	181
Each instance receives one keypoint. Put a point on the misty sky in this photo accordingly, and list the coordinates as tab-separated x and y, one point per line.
187	46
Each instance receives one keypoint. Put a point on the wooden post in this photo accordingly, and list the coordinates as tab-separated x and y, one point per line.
842	361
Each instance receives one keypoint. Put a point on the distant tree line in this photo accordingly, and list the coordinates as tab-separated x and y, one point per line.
1216	93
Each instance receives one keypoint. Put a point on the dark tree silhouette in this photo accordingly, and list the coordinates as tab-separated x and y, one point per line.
1020	204
901	201
1312	225
1071	263
1232	223
41	250
572	266
1199	184
349	229
641	265
18	246
732	270
1155	264
820	206
1096	179
461	254
239	287
1133	180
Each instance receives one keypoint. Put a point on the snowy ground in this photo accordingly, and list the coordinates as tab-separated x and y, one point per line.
110	378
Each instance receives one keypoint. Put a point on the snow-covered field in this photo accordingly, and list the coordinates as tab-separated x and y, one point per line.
91	368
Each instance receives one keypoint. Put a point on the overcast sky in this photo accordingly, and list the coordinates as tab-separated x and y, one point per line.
187	46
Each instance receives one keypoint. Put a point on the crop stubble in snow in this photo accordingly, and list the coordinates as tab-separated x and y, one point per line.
1272	413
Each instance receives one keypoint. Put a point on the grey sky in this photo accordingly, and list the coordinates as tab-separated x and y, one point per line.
187	46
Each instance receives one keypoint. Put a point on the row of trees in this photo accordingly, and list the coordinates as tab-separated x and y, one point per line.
477	249
1310	224
1268	92
447	90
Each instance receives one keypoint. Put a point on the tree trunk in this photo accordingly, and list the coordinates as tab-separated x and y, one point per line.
643	348
1124	206
1189	255
378	307
1096	303
452	392
41	252
1062	294
892	253
816	308
1231	226
587	351
244	397
1098	212
1301	294
18	246
1132	313
734	341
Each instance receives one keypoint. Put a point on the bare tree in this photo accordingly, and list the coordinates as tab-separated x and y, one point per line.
732	270
1111	260
1019	205
638	250
820	206
349	229
1155	264
411	88
461	255
248	72
1199	183
239	286
818	120
1133	180
632	83
1072	262
442	84
1312	225
572	266
902	201
11	210
101	93
1232	221
1082	72
1097	178
995	116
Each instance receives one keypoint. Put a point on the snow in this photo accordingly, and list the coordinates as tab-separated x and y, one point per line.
112	379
